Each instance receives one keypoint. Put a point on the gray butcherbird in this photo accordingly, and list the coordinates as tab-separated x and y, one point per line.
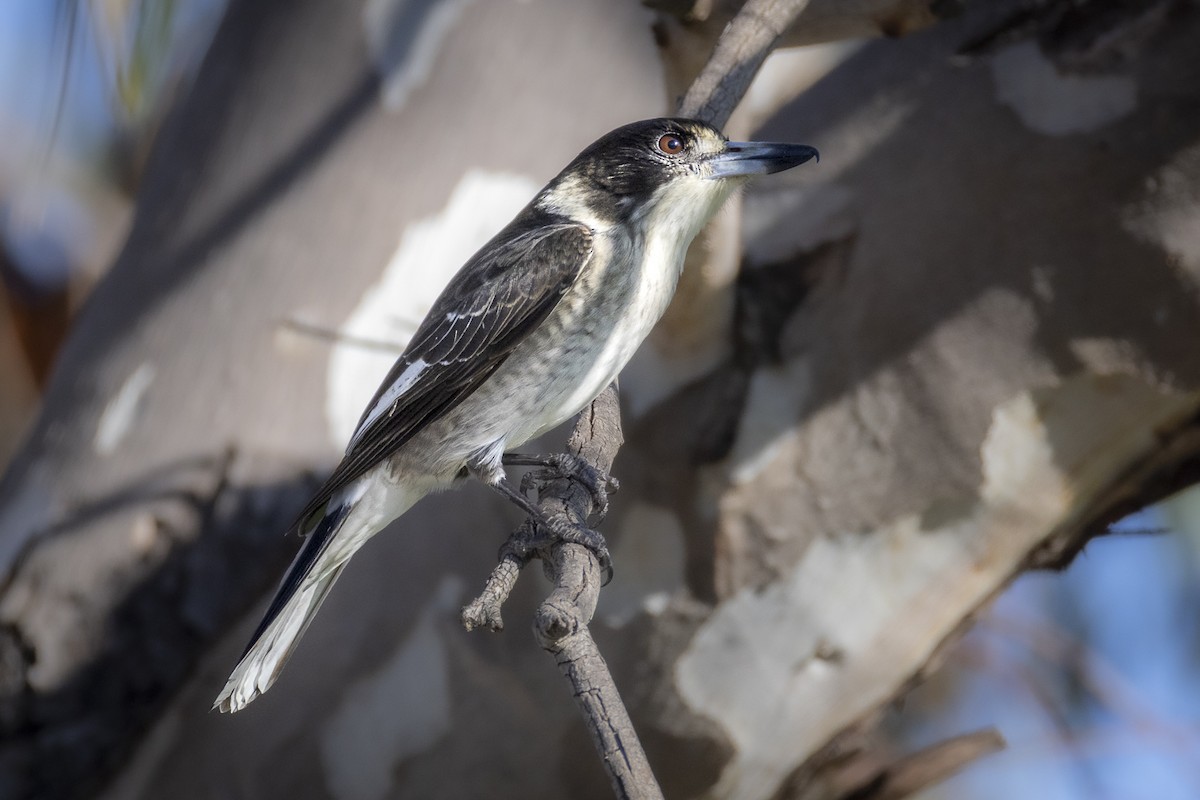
526	334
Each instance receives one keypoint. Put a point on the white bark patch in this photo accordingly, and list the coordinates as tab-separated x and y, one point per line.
404	38
395	713
1168	212
122	411
785	667
654	373
773	404
430	252
651	555
1054	104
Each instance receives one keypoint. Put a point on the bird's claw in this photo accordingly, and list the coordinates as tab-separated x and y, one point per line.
593	540
565	465
521	544
530	538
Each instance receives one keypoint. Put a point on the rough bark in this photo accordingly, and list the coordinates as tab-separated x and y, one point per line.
946	366
562	620
951	352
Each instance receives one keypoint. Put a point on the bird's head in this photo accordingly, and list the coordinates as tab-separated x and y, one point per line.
682	166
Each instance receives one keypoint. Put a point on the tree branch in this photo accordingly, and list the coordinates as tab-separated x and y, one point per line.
743	47
561	622
863	775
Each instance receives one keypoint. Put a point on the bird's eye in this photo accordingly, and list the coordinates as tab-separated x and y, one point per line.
670	144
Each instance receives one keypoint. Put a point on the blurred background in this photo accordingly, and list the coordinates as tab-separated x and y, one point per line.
83	87
1092	675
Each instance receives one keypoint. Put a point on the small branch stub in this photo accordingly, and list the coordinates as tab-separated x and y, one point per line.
484	611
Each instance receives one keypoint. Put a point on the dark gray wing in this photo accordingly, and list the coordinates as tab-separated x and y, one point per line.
489	307
494	301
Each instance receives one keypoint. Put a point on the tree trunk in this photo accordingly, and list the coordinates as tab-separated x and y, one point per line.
956	347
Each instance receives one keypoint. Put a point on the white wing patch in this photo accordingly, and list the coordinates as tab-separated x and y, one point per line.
389	398
454	316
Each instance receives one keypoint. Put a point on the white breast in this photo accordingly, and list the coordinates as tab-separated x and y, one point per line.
601	321
655	279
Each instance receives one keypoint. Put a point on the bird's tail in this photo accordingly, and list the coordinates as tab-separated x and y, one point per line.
296	601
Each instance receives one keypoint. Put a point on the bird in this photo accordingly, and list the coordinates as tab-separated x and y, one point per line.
528	332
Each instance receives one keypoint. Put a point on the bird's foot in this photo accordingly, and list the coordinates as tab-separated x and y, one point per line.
557	466
593	540
546	531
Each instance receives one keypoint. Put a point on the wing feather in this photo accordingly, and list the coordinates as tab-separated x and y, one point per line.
488	308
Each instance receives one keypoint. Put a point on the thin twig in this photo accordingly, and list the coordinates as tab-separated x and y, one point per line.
561	622
561	627
325	334
919	771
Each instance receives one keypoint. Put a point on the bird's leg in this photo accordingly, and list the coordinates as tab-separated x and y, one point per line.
552	529
565	465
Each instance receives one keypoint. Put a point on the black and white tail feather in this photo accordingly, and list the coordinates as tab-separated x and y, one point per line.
292	609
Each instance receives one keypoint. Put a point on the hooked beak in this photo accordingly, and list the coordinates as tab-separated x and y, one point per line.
742	159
